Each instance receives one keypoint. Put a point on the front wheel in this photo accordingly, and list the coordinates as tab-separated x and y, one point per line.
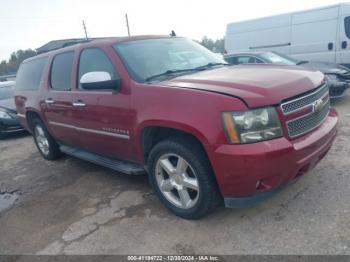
45	143
182	178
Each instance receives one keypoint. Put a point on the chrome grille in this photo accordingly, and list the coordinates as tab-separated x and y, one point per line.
317	103
303	101
308	122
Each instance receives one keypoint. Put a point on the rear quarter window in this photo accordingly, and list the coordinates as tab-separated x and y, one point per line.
30	74
61	71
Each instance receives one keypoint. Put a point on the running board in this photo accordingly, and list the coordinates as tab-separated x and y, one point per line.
115	164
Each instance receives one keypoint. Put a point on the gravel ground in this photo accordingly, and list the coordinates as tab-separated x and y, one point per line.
74	207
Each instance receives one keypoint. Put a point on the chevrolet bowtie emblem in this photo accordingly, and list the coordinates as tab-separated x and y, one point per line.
318	105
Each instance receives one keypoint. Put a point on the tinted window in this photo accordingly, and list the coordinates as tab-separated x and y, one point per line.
30	74
347	26
248	60
61	71
93	59
231	60
245	60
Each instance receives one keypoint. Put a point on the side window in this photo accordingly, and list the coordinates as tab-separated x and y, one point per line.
30	74
61	71
94	59
243	60
347	26
257	60
232	60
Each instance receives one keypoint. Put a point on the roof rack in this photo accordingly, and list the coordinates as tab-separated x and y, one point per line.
58	44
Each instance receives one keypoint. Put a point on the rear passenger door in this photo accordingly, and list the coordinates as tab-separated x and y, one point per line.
57	106
102	116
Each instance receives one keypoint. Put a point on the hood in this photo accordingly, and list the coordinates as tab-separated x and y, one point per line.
326	67
257	85
8	104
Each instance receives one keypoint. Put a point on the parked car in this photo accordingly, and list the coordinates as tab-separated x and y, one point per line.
8	116
321	34
338	76
203	131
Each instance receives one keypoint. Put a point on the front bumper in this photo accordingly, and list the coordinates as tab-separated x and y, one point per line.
249	173
337	89
8	126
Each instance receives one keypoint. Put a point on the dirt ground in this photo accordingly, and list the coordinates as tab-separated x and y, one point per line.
74	207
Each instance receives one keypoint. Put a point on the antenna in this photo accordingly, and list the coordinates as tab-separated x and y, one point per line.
127	23
86	36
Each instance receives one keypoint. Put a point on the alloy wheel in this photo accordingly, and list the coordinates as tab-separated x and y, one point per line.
177	181
41	139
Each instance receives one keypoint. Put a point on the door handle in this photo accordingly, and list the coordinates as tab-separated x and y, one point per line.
330	46
49	101
344	44
79	104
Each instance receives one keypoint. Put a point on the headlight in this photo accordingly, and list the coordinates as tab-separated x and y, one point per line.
332	78
4	114
252	126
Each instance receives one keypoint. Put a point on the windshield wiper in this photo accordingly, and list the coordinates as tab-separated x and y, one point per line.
209	65
179	71
302	62
171	72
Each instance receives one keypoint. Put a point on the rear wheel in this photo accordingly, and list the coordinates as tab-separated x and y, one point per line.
182	178
45	143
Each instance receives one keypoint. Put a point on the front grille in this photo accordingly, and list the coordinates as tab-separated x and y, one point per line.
303	100
308	122
317	104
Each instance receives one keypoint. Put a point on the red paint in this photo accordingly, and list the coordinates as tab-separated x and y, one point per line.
191	103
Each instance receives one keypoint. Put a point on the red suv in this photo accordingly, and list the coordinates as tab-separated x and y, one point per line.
205	132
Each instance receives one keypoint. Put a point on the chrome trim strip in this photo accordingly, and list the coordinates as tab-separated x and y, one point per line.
21	115
269	46
306	131
300	98
18	129
88	130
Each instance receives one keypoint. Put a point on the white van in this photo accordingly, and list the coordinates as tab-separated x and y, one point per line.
321	34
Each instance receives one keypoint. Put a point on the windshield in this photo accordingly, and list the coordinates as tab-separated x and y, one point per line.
6	92
152	57
275	58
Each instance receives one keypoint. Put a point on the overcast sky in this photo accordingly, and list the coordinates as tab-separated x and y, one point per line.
32	23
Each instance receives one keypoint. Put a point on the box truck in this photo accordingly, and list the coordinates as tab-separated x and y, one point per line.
321	34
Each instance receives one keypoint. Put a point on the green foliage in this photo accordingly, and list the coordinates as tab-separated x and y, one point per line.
16	58
213	45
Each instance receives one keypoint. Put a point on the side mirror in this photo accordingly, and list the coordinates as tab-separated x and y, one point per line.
99	80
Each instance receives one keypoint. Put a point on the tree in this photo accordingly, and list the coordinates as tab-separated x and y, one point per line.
16	58
213	45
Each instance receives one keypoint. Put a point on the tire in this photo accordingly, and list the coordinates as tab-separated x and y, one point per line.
197	178
45	143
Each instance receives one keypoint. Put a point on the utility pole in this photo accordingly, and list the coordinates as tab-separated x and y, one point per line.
127	23
86	36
